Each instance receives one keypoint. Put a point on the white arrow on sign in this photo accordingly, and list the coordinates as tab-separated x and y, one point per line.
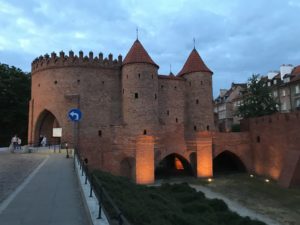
75	114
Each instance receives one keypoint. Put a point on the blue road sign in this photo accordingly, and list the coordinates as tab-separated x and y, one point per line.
75	114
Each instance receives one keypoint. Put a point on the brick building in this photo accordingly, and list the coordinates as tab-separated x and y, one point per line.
133	117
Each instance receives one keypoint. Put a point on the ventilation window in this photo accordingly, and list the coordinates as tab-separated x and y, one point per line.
102	82
127	76
201	82
168	112
155	96
258	139
190	83
55	82
145	132
136	95
78	81
197	101
195	128
39	85
176	120
100	133
162	86
139	75
207	127
175	87
152	76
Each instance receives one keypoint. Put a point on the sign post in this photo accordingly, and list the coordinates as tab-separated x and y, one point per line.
75	116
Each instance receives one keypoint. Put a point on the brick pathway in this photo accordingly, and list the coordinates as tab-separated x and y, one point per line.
14	168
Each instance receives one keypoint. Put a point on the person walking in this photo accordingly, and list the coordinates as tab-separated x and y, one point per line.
44	141
14	142
19	143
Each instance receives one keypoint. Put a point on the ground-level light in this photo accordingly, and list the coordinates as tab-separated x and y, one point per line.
267	180
209	180
251	175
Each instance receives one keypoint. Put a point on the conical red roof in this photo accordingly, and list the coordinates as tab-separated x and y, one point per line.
138	54
194	63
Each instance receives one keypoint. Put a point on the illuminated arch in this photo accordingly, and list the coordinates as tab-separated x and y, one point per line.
173	165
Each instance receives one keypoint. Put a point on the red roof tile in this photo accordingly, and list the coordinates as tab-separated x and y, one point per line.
296	71
194	63
138	54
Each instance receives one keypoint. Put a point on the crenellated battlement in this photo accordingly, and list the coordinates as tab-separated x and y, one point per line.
278	117
62	60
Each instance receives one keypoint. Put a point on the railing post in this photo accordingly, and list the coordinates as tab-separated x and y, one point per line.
82	169
86	177
100	208
91	187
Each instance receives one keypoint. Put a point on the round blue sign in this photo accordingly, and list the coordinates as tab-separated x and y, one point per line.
74	114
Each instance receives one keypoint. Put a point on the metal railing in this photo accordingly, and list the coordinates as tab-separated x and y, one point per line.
114	214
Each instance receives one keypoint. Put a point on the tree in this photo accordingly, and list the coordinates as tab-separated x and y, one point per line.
14	98
257	99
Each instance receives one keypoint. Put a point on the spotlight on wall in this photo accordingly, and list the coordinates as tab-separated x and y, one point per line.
267	180
209	180
251	175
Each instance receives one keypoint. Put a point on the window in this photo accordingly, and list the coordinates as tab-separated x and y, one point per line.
152	76
136	95
102	82
201	82
155	96
297	89
39	85
207	127
195	128
190	83
100	133
176	120
145	132
283	93
283	106
269	84
275	82
175	87
197	101
162	86
258	139
127	76
139	75
55	82
168	112
123	90
275	93
298	103
78	81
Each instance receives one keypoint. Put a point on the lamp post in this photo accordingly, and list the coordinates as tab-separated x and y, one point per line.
67	150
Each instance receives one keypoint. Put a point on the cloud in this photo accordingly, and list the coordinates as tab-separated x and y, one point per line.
234	38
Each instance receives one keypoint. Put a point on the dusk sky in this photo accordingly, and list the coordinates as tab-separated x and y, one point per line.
235	38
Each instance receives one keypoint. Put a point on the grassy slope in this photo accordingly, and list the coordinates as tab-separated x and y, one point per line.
168	204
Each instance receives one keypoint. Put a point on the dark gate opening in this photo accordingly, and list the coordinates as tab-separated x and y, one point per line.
227	162
44	127
173	165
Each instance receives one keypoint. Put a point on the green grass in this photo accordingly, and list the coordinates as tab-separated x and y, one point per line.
177	204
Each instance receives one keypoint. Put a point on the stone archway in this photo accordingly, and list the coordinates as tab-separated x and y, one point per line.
173	165
44	127
127	167
228	162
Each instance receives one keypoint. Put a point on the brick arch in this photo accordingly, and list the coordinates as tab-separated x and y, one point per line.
44	124
227	161
127	167
173	164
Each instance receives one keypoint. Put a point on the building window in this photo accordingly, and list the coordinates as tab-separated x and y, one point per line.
155	96
176	120
269	84
127	76
195	128
39	85
136	95
168	112
55	82
78	81
152	76
258	139
283	106
102	82
139	75
175	87
190	83
100	133
162	86
207	127
275	82
201	82
283	93
297	89
145	132
197	101
275	93
298	103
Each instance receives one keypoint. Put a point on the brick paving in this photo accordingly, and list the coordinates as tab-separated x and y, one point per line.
14	168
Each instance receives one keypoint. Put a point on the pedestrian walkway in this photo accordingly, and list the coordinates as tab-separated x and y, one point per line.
51	197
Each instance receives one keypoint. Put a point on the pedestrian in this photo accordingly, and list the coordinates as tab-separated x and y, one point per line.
19	143
44	141
40	140
14	142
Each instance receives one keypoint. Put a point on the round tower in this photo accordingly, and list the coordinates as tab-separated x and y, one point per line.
140	91
199	99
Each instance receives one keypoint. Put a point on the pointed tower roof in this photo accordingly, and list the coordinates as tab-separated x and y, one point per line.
194	63
138	54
